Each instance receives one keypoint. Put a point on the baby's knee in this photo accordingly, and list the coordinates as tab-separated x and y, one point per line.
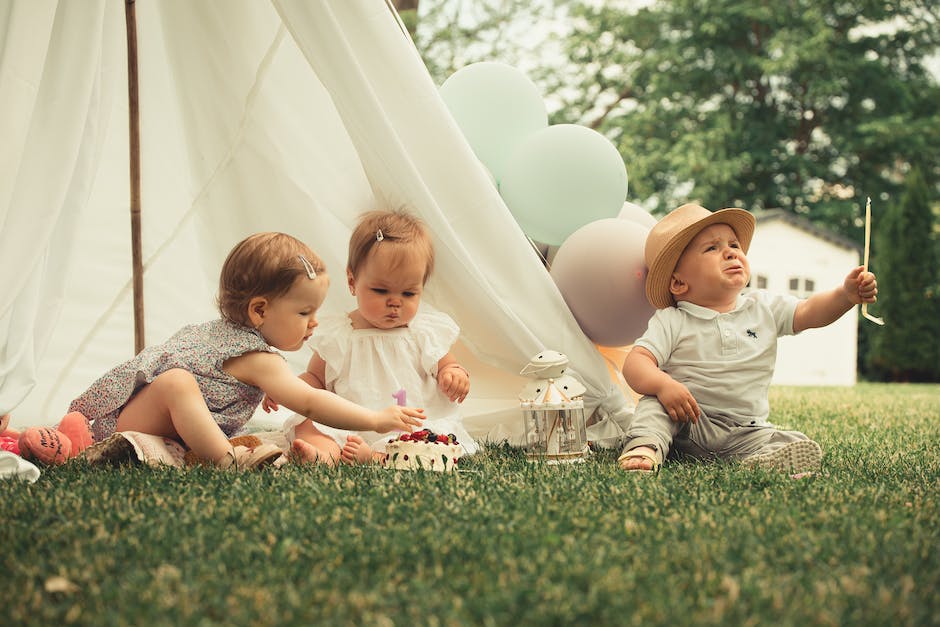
175	380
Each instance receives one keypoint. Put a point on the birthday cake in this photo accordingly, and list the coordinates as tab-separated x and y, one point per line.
425	450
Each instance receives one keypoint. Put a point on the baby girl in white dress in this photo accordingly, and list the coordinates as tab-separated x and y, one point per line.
386	349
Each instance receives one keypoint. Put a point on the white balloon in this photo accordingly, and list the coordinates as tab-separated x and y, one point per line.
638	214
601	273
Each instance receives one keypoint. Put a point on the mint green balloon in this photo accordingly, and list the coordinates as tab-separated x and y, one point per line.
496	106
561	178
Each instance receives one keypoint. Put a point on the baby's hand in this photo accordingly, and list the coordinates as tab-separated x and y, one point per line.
679	402
454	383
397	418
268	404
860	286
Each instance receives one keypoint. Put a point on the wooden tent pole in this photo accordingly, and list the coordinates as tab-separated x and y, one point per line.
130	16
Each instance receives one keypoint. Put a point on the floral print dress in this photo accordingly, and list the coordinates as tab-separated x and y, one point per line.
200	349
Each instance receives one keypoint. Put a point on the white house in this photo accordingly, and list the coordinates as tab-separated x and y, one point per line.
790	254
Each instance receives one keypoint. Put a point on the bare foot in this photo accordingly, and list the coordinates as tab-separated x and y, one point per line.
303	452
641	458
356	451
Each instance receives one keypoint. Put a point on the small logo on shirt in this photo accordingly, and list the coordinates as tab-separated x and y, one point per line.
751	334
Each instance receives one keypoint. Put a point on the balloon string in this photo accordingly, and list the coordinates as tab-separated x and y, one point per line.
865	313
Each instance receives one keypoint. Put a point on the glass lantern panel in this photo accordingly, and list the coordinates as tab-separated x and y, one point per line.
555	432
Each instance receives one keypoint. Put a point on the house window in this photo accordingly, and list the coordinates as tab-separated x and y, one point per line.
802	286
756	282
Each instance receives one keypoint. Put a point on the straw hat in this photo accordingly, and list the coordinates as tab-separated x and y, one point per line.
669	237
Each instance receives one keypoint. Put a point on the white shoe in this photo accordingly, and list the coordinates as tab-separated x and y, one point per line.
795	457
244	458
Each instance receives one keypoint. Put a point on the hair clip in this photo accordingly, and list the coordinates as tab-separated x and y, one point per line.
311	273
379	236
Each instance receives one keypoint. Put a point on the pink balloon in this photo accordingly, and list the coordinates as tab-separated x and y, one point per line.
630	211
601	273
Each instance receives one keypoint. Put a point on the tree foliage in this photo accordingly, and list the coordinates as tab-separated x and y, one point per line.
906	348
805	105
451	34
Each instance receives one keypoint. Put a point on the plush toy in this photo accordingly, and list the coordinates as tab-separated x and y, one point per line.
54	446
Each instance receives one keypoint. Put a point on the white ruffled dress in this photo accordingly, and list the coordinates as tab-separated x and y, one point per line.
370	366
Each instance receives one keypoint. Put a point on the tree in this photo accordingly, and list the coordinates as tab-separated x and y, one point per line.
451	34
906	348
806	105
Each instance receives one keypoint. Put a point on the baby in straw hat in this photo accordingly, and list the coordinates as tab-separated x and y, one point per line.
706	359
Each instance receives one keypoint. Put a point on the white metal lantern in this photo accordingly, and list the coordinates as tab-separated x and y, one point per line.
553	411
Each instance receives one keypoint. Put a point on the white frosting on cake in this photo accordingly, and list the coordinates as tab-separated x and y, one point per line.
412	455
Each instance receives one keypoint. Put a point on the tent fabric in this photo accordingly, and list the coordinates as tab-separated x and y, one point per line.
292	116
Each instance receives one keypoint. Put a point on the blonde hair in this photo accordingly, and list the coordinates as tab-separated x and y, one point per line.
407	234
263	264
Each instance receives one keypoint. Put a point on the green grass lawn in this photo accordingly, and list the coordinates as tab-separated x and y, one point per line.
502	542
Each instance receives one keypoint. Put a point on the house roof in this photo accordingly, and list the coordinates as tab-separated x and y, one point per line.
803	224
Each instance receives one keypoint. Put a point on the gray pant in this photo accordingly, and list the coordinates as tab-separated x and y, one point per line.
712	437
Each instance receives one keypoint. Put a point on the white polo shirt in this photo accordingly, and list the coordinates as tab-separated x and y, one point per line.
725	359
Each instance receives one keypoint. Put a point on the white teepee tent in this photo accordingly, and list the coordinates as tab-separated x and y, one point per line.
289	115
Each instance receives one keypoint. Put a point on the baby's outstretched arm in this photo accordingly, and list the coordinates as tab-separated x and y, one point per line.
314	376
452	379
643	375
271	373
825	308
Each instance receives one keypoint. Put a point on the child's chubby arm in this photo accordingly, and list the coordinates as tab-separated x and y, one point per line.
825	308
314	376
642	373
452	379
271	373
